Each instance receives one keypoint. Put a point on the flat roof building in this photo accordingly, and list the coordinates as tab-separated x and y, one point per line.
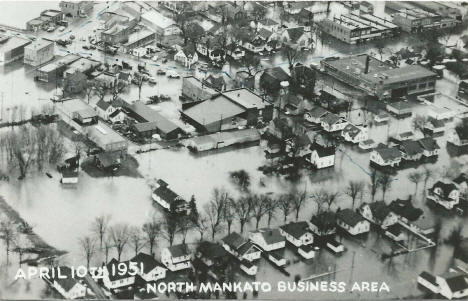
39	52
378	78
417	20
11	48
53	70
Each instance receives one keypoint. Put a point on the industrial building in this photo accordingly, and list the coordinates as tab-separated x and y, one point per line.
378	78
54	70
417	20
138	39
11	48
167	31
353	28
39	52
232	109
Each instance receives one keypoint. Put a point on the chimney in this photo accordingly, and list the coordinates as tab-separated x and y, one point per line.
366	68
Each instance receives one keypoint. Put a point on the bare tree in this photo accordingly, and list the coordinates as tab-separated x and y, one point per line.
185	224
89	89
385	182
374	183
330	198
120	235
419	122
118	88
415	177
107	245
242	210
136	239
99	227
88	246
293	55
202	225
297	200
228	214
170	227
353	189
259	207
427	173
285	205
21	145
8	234
214	210
321	197
272	207
151	229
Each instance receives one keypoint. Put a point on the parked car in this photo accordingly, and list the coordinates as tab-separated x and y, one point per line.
51	29
86	47
173	74
152	80
161	72
61	28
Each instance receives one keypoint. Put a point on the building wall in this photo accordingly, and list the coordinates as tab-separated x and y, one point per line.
36	57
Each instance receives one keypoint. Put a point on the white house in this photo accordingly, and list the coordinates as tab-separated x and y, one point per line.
462	183
104	109
149	268
268	239
68	286
176	258
386	156
321	156
118	116
248	267
307	251
297	233
458	136
332	122
354	134
277	258
453	285
378	213
165	197
113	277
440	113
69	176
186	56
352	222
429	146
445	194
297	36
335	246
240	247
429	281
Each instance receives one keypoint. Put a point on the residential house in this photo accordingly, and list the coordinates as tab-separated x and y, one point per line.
104	109
404	136
69	176
148	267
66	284
322	156
267	239
405	210
429	146
400	108
176	257
235	51
107	80
118	116
428	281
297	233
367	144
187	56
396	232
268	24
453	285
213	256
168	199
382	117
117	275
298	37
323	224
333	123
462	183
271	79
445	194
292	104
294	8
352	222
434	127
315	115
386	156
304	81
124	77
354	134
459	136
216	82
212	47
378	213
411	150
241	248
306	251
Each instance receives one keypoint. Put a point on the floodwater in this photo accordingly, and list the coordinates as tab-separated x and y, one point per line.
62	215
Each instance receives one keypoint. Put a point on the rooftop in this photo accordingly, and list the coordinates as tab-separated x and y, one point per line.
157	19
8	43
246	98
213	110
39	44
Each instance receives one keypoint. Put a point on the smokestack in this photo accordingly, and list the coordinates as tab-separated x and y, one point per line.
366	68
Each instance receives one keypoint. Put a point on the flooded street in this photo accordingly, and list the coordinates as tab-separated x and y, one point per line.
61	215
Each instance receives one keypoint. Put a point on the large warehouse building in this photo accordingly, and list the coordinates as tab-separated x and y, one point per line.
378	78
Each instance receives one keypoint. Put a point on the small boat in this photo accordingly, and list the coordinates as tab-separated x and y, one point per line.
49	175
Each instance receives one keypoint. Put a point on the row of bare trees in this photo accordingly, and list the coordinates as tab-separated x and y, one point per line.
26	146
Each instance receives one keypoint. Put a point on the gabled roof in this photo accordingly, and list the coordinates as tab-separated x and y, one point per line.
115	113
462	132
411	148
461	178
379	210
405	209
331	118
456	282
351	130
388	153
277	73
211	250
247	247
268	22
323	151
271	236
296	229
295	33
147	261
325	221
429	144
68	282
446	188
179	250
349	217
318	112
234	240
264	33
103	105
168	195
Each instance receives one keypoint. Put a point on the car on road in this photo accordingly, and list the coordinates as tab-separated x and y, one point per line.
86	47
61	28
51	29
152	80
172	74
161	72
